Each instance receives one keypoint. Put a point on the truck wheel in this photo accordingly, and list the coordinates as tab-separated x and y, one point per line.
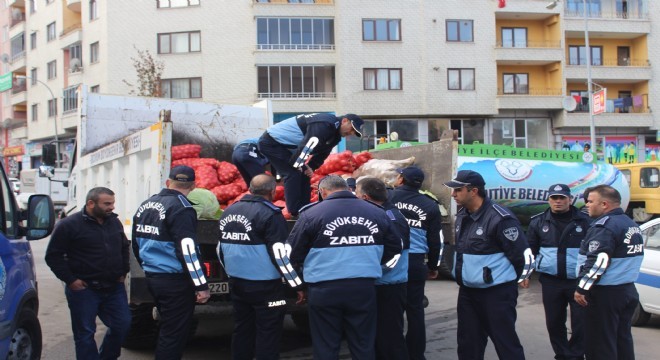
301	320
640	317
143	333
26	340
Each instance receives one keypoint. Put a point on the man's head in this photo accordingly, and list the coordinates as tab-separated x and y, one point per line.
351	124
100	202
263	185
468	189
602	199
372	189
331	184
411	176
182	178
559	198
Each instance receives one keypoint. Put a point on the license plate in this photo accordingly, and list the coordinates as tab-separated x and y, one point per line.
219	288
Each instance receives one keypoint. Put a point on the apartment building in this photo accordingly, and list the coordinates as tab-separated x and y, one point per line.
501	72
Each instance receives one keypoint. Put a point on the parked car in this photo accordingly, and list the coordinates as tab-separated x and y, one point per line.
15	185
648	282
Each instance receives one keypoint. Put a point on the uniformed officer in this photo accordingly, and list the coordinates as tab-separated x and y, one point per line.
555	236
391	287
492	254
251	247
341	243
609	260
247	158
423	216
288	145
164	228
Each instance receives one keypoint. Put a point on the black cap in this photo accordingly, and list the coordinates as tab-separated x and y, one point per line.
466	178
357	123
351	183
182	173
412	174
559	189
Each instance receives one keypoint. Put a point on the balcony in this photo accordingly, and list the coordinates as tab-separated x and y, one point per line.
73	5
298	96
18	86
534	53
19	98
17	17
70	36
16	3
607	17
612	70
537	98
609	120
326	2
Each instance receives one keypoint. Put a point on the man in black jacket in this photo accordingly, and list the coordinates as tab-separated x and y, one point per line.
89	252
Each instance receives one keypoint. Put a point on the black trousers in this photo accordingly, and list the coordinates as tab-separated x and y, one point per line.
484	313
343	306
558	295
608	322
247	165
391	303
297	189
259	309
175	300
416	335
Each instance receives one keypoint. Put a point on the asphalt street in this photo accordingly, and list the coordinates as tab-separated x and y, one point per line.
214	333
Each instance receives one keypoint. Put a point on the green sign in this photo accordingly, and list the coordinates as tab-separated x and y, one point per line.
508	152
6	81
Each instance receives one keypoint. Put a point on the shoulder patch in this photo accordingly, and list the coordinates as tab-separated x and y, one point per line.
271	206
500	210
602	221
184	200
308	206
390	215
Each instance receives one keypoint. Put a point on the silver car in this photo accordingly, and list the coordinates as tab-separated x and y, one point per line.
648	282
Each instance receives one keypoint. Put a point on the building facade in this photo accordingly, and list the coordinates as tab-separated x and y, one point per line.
501	72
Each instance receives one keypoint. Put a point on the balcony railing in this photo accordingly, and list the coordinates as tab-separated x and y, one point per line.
612	62
583	106
295	47
16	18
18	86
639	15
17	56
523	91
530	44
313	95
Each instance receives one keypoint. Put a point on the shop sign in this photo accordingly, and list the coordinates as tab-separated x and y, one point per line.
13	151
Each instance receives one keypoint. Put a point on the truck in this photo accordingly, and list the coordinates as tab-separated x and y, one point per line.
644	182
20	330
32	183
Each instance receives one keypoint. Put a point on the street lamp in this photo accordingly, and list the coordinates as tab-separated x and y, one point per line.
592	126
57	143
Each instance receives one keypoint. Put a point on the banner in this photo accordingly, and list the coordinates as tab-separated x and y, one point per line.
621	149
582	143
599	99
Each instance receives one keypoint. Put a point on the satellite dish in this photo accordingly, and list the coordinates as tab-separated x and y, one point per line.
569	103
5	58
394	136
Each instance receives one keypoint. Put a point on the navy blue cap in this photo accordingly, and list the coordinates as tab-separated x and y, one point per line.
466	178
357	123
412	174
559	189
182	173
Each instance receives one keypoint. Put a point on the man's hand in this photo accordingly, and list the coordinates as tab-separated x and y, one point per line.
302	297
203	296
78	285
524	284
580	299
433	274
308	170
121	279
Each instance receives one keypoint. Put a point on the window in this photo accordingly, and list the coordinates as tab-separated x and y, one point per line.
35	112
95	88
459	30
176	3
652	237
52	107
94	52
296	33
33	6
18	46
93	10
576	8
514	37
382	79
33	76
577	55
9	215
516	83
33	40
52	69
75	52
460	79
648	177
181	88
520	133
469	131
381	30
183	42
296	81
50	32
70	99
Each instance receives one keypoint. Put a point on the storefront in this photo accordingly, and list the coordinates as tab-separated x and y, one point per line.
13	156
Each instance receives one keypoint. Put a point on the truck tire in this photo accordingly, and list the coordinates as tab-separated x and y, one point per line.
640	317
26	339
143	333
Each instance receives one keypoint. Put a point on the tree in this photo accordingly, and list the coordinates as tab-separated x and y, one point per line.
149	71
